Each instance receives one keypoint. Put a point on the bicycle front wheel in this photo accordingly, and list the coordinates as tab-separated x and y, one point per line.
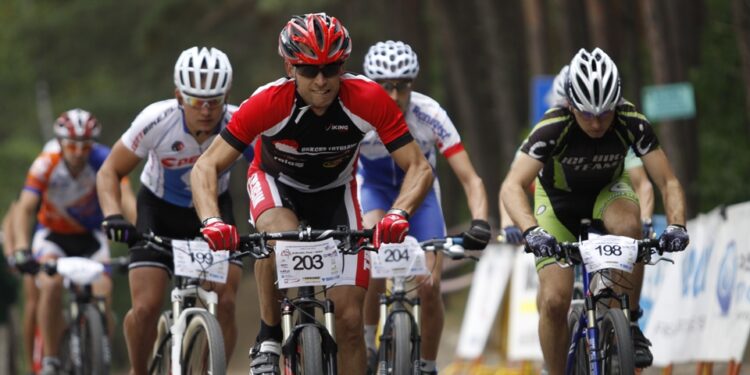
203	346
311	348
580	364
401	345
161	358
617	344
93	344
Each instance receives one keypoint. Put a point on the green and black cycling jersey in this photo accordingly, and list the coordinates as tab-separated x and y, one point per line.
583	175
575	162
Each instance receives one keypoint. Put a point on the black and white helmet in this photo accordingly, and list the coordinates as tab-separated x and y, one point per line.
391	60
203	72
593	82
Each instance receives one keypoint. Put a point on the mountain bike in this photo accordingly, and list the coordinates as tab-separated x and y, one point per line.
400	338
85	346
309	345
599	324
189	332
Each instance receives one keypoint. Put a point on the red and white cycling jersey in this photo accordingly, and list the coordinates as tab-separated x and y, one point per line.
309	152
69	204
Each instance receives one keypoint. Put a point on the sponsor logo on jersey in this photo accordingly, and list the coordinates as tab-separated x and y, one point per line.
332	163
338	128
179	162
620	187
540	210
178	146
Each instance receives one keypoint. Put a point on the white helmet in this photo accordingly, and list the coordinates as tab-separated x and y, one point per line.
391	60
593	82
556	96
203	72
77	124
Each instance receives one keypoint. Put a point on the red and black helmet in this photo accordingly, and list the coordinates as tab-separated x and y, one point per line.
77	124
315	39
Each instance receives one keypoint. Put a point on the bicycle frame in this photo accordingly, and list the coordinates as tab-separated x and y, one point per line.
82	296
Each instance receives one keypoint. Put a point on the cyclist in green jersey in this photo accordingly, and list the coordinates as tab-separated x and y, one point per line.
576	154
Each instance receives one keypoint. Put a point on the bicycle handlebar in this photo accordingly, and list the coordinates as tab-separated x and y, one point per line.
452	246
646	247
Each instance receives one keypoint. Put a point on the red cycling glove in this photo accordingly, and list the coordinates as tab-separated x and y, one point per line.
393	227
220	235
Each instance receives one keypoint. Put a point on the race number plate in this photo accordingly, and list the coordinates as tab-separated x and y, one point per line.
307	263
609	251
196	260
399	260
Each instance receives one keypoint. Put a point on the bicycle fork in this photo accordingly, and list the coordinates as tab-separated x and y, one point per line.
386	328
306	317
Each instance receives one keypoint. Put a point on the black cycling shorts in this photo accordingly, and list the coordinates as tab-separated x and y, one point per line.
165	219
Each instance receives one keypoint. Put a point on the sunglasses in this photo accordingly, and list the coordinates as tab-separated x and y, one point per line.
399	86
197	102
75	146
311	71
591	116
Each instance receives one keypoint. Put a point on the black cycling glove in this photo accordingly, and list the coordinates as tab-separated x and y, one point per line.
540	242
118	229
478	235
25	262
674	238
513	234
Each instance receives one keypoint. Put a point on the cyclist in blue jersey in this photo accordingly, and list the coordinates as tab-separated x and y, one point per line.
394	65
171	134
577	153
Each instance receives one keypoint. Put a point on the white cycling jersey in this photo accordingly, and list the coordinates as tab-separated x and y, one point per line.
430	126
159	132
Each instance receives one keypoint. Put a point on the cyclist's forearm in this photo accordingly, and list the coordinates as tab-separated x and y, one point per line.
203	183
517	206
414	188
476	197
108	191
674	202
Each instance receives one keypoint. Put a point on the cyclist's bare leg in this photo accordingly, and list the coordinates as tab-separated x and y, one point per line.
31	300
348	300
272	220
103	288
147	287
433	312
377	286
225	311
49	313
553	300
622	217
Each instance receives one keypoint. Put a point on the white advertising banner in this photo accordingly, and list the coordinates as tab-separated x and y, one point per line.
523	338
702	312
487	289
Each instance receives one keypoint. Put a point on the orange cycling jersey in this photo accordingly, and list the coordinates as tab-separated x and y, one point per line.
69	204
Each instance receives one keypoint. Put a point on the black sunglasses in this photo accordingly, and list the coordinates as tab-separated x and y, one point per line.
311	71
399	86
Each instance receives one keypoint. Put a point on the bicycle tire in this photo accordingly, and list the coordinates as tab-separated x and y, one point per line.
94	344
311	348
161	357
401	345
203	346
580	365
616	343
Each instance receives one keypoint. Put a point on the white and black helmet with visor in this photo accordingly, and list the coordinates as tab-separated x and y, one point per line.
593	82
391	60
203	73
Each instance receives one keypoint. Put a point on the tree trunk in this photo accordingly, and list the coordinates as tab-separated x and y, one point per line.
741	23
535	36
667	64
598	24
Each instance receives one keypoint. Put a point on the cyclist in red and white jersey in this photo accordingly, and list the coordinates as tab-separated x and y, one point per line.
394	65
171	134
307	128
62	185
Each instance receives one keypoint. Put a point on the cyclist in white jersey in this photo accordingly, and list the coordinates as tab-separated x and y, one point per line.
394	66
171	135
